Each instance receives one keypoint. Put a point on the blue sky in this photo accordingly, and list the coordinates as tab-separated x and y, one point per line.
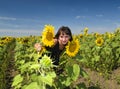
28	17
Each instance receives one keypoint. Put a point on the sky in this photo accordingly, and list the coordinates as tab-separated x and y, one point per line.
28	17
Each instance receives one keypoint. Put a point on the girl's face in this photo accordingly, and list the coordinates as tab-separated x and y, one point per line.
63	39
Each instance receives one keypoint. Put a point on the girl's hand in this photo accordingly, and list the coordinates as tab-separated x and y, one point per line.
55	41
38	46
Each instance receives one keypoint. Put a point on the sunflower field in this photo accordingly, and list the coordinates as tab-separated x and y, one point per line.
23	67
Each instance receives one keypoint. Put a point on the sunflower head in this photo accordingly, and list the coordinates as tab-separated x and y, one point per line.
81	35
97	34
110	35
48	35
73	47
85	31
99	41
1	43
46	61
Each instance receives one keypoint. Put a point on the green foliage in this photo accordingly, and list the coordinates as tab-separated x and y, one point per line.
6	45
37	71
17	81
32	85
103	58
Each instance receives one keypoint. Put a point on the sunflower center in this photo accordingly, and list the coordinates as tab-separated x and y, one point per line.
99	41
72	47
49	36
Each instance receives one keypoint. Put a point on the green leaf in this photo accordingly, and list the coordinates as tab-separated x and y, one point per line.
35	56
35	66
17	79
76	71
25	67
47	79
83	73
34	77
69	70
115	44
21	62
68	81
52	74
33	85
97	58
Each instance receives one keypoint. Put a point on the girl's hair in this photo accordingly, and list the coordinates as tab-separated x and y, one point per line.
63	30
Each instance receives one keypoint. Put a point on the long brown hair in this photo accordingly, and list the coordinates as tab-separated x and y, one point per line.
65	30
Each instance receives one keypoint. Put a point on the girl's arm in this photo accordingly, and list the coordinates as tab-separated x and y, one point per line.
38	46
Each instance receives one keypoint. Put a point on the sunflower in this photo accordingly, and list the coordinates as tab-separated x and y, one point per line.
85	31
110	35
97	35
48	35
73	47
99	41
46	61
1	43
81	35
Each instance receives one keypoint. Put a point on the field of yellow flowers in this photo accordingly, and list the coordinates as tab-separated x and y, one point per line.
90	61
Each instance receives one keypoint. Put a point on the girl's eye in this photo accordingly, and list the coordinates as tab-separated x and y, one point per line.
67	36
61	36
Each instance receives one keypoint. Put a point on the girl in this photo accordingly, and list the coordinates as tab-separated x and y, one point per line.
60	41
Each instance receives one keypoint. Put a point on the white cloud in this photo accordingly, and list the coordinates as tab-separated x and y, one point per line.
20	19
7	18
19	32
20	22
78	17
118	7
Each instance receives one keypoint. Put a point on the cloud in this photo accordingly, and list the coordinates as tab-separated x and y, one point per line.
11	22
20	23
118	7
19	19
78	17
117	24
3	24
19	32
7	18
100	15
